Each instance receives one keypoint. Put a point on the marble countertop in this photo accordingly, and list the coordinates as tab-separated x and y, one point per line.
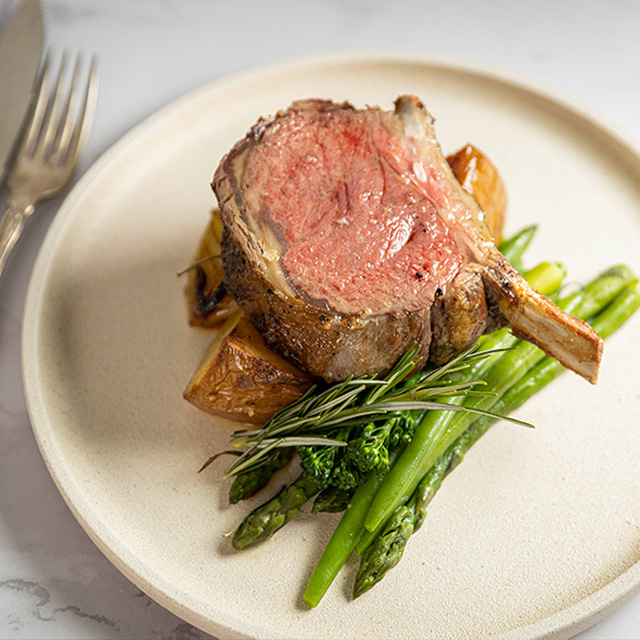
54	583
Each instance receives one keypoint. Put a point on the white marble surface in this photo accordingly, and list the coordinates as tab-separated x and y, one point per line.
54	583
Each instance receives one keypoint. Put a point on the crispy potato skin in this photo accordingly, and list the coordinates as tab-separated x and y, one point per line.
208	303
243	380
479	176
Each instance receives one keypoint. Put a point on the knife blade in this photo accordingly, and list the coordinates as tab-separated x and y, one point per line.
21	44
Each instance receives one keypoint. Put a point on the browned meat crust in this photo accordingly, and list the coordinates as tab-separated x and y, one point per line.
319	341
333	344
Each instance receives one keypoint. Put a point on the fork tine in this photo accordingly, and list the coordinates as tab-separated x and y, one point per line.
65	128
52	115
31	136
83	122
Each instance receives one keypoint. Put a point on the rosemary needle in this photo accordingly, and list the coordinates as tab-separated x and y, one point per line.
316	416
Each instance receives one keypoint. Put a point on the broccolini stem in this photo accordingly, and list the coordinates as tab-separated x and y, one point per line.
439	429
332	500
383	551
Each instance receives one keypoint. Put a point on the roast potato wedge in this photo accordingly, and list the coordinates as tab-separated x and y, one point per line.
208	303
241	379
479	176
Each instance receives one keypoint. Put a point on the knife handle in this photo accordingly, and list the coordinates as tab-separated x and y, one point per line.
11	226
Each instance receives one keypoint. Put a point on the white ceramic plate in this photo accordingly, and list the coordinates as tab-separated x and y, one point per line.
537	533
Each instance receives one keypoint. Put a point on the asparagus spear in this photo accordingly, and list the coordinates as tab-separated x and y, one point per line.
265	520
247	483
439	429
382	550
513	248
386	550
351	526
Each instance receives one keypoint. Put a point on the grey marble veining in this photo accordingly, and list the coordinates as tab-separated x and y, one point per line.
54	582
31	612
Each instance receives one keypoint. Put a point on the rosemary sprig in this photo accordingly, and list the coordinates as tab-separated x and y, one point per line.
197	263
316	417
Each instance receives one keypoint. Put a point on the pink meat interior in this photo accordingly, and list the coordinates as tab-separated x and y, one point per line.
361	232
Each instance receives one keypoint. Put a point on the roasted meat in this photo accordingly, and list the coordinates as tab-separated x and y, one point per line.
347	238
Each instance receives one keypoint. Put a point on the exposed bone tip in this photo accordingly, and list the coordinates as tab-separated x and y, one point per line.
408	106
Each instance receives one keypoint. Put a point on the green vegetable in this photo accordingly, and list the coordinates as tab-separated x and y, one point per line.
383	551
265	520
332	500
343	540
514	248
386	552
438	430
246	484
351	526
318	463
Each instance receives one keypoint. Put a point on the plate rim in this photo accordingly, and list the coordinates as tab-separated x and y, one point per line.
569	621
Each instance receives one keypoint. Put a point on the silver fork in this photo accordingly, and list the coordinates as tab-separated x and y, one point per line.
49	150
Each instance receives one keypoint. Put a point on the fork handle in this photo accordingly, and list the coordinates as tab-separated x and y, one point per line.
12	224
